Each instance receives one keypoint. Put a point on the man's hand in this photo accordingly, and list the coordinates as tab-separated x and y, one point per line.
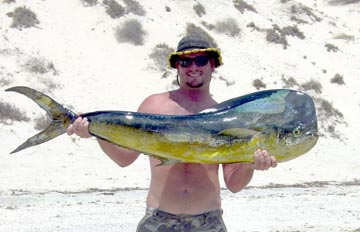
263	161
80	128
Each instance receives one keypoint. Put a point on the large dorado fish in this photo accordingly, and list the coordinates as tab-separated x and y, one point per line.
282	121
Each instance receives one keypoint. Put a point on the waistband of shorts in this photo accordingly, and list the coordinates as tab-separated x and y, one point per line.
202	216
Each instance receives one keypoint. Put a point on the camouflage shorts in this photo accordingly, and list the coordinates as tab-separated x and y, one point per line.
157	220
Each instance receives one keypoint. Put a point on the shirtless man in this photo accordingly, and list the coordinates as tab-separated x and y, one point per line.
184	196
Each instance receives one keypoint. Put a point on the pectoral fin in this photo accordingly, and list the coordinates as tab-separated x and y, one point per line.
163	161
239	132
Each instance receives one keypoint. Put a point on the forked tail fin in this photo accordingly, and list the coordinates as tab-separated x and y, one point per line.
61	117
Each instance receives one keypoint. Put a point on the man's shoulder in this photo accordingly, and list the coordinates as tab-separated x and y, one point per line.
157	98
154	102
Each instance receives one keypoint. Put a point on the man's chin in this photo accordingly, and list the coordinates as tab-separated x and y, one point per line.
194	85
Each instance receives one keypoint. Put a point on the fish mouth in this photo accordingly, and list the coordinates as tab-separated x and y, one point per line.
312	133
306	137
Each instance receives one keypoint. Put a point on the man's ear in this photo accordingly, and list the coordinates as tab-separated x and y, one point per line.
212	63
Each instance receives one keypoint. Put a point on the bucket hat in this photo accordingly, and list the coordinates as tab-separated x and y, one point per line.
194	44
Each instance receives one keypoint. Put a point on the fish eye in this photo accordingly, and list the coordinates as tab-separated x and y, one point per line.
296	132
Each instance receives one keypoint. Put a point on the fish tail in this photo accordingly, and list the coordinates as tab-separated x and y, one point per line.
61	117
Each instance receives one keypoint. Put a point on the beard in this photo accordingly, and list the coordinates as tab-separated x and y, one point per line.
194	84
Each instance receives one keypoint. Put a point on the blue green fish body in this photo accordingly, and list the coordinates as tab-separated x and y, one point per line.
281	121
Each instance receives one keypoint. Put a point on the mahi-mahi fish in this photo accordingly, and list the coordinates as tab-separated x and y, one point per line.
281	121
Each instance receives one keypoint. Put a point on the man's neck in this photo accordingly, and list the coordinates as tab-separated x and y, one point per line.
194	95
193	100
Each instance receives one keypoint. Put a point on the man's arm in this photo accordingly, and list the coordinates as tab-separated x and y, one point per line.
121	156
238	175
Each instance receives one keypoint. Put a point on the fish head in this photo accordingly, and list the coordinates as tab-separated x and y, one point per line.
295	142
298	133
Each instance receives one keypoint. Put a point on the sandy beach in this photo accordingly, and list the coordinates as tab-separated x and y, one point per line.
313	207
73	54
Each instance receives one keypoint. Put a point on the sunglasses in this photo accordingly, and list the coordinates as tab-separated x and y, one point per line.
199	61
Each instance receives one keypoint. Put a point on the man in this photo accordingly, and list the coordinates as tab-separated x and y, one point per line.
184	196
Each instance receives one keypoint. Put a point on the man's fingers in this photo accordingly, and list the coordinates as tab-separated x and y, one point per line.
273	162
70	130
259	160
79	127
267	159
84	128
263	161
